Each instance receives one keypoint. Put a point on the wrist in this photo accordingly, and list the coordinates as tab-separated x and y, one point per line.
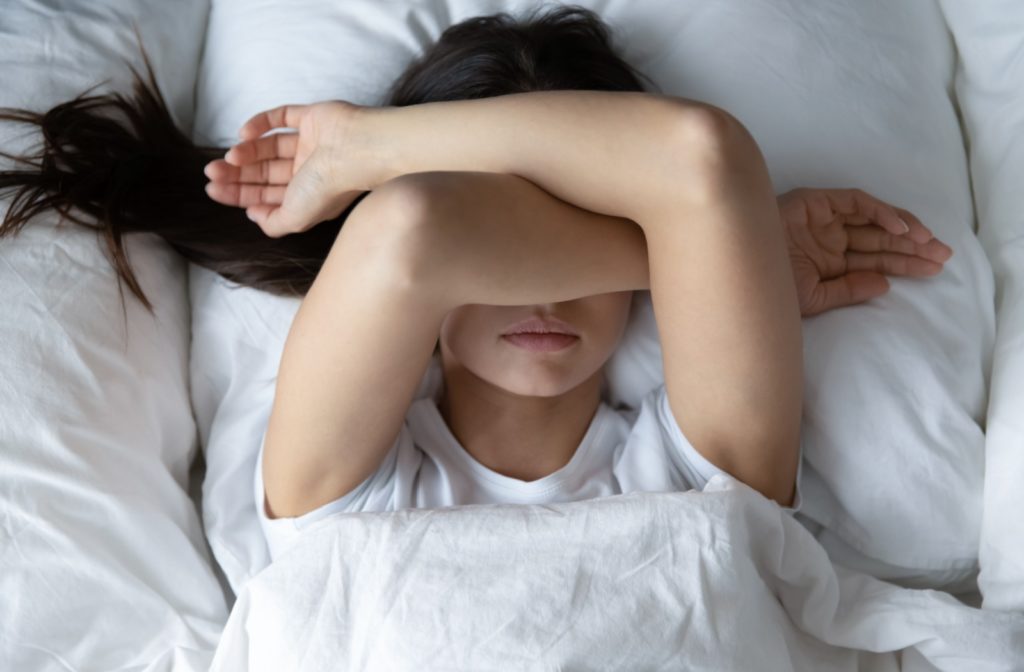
371	151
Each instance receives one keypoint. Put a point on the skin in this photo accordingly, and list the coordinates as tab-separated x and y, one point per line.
494	390
483	228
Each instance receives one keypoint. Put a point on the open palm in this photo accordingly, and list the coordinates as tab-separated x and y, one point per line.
843	242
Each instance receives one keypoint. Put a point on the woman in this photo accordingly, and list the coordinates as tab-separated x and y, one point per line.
484	203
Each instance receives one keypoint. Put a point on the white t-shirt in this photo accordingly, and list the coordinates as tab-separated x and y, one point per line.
622	451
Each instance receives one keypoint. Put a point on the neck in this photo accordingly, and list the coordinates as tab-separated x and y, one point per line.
522	437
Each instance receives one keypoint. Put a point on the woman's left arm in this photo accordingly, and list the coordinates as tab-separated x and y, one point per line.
728	317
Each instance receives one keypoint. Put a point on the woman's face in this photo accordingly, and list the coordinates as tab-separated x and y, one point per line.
474	336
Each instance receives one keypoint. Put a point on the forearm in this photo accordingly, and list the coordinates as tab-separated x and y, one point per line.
498	239
603	151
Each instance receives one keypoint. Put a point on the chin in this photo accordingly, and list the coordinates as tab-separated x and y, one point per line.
540	385
537	392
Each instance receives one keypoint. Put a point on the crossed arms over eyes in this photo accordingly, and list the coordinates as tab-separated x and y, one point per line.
686	209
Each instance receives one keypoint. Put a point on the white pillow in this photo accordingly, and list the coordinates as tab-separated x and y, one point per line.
837	94
102	559
990	89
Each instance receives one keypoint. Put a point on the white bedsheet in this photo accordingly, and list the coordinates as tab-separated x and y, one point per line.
719	580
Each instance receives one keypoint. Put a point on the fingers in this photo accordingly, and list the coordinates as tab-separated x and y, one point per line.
859	207
276	146
846	290
250	184
289	116
244	195
259	214
862	208
919	233
875	239
892	263
274	171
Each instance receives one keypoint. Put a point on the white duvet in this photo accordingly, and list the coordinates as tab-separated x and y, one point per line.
719	580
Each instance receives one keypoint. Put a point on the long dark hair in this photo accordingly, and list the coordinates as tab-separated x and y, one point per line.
118	164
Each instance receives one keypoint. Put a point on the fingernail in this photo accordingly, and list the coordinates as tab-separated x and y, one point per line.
906	227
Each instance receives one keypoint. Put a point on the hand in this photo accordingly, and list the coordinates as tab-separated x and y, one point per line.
843	242
290	182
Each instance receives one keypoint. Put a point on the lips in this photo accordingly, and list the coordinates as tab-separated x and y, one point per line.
537	325
542	334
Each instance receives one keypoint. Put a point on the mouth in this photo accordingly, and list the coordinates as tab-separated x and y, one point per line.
542	334
548	342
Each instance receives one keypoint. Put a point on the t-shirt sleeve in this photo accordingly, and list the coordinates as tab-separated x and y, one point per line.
695	467
373	494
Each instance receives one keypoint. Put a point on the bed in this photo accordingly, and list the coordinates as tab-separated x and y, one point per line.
128	440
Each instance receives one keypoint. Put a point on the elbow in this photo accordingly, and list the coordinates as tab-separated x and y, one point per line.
712	149
707	125
763	461
783	489
790	500
393	234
